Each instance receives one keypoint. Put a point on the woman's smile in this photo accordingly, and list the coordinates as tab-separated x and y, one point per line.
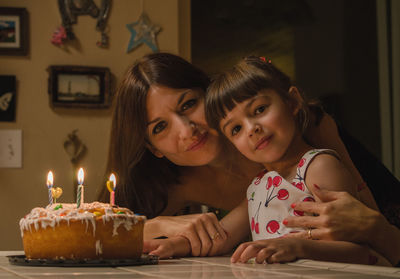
199	143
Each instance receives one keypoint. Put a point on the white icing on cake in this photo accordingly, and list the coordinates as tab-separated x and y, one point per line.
51	216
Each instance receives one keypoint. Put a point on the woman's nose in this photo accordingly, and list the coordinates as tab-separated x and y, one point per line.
186	128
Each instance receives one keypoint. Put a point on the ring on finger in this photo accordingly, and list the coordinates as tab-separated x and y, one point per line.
309	233
215	236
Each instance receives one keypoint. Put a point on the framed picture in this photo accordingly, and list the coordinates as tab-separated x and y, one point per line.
79	86
7	98
14	33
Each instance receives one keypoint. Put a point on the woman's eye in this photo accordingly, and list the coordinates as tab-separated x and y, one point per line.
187	105
259	109
235	130
159	127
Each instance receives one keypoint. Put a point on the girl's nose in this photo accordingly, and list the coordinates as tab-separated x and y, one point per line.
255	130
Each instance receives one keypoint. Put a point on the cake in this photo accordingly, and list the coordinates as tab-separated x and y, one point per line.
93	231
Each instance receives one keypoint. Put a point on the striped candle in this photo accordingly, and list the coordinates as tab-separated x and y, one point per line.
80	192
49	186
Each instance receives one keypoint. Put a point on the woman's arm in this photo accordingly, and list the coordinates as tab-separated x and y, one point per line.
236	227
342	217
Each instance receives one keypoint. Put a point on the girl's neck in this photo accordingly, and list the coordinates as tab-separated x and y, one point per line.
284	166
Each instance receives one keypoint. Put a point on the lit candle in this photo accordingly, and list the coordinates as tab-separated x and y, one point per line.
49	186
80	193
111	185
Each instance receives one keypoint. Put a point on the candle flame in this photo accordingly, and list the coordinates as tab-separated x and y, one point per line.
114	181
50	179
81	176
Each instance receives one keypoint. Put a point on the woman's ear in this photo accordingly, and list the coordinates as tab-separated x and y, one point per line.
155	151
296	100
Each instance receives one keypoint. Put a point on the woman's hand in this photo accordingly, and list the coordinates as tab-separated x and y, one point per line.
203	231
340	217
275	250
166	248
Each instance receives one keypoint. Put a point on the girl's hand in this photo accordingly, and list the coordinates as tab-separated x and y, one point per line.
203	231
340	217
166	248
275	250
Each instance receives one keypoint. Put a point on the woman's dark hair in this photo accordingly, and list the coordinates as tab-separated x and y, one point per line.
142	178
245	80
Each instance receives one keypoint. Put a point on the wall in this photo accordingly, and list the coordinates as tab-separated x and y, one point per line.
45	129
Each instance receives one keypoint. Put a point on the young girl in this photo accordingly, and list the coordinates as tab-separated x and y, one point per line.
257	109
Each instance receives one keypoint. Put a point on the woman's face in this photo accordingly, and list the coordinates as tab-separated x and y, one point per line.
176	126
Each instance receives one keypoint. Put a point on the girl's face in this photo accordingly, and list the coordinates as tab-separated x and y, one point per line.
177	128
261	128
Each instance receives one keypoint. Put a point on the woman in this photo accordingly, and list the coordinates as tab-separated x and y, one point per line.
167	157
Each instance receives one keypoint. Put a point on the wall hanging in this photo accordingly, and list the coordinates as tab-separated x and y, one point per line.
14	31
143	31
79	86
7	98
71	9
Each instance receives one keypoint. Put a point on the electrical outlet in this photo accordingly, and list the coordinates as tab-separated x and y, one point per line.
10	148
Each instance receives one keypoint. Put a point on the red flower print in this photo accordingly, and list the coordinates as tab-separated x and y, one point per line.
272	227
283	194
301	163
309	199
298	213
269	182
277	181
299	185
259	177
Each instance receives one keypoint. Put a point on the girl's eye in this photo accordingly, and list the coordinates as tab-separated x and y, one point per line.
159	127
187	105
259	110
235	130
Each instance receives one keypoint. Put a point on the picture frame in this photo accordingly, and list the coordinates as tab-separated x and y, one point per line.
79	86
14	31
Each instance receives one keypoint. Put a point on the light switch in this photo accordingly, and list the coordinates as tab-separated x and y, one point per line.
10	148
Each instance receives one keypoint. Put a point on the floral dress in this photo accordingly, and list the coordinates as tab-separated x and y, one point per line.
270	196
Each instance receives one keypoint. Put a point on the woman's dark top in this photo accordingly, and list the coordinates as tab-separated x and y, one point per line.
382	183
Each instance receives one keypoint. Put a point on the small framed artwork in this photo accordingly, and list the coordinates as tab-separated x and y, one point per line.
14	33
79	86
7	98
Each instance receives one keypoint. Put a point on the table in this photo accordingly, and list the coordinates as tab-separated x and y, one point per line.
208	267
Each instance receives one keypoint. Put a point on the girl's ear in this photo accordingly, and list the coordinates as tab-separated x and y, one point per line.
155	151
296	100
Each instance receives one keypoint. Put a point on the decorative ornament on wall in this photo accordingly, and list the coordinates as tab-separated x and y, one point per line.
7	98
143	31
76	150
70	9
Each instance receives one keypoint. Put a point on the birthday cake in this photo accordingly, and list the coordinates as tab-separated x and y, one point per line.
92	231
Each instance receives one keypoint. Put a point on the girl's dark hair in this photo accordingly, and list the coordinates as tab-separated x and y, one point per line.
143	179
245	80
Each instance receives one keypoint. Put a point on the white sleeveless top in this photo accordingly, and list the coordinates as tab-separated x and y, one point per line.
269	198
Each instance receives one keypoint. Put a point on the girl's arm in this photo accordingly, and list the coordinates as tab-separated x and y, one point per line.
281	250
236	225
326	135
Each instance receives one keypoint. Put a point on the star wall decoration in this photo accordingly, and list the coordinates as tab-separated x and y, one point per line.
143	31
